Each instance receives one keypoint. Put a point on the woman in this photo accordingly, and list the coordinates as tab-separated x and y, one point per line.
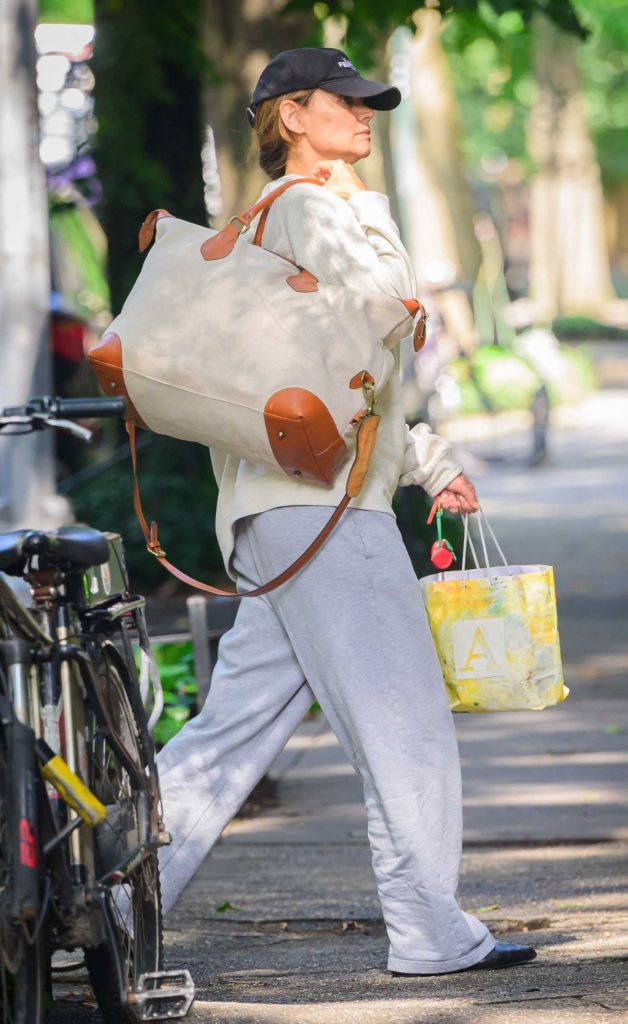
352	623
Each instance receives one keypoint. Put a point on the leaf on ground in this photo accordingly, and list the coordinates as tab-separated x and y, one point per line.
485	910
226	906
614	730
352	926
512	924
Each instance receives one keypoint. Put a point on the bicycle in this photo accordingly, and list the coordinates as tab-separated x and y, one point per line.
80	811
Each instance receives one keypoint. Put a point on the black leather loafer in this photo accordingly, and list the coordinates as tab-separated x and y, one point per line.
503	954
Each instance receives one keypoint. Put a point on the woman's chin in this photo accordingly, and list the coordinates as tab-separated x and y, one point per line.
361	150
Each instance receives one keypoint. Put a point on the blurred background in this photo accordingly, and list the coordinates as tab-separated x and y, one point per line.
506	166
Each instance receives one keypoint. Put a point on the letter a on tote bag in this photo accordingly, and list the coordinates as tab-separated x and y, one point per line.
496	634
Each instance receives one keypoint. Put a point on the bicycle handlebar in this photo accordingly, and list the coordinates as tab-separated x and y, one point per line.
59	414
70	408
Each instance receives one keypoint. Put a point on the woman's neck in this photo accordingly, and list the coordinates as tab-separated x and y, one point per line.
294	165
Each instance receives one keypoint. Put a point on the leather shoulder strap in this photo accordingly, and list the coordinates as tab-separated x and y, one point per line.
367	431
221	244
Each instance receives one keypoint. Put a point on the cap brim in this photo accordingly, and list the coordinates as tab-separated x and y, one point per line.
375	95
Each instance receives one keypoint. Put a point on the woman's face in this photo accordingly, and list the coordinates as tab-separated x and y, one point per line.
332	127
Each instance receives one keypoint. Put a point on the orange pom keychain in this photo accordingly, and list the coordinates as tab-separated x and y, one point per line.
442	554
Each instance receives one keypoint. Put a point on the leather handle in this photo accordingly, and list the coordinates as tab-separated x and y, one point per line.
417	310
367	436
365	443
221	244
267	201
147	230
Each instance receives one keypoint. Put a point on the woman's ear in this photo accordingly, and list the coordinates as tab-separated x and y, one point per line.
290	114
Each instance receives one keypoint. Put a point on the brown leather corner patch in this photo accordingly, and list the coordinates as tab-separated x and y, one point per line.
304	281
106	362
303	436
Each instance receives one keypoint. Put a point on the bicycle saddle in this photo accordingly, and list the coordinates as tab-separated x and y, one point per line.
70	547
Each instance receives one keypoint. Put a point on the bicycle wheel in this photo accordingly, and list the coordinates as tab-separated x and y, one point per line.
143	950
22	962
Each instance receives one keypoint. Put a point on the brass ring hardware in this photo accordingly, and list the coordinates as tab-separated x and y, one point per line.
243	227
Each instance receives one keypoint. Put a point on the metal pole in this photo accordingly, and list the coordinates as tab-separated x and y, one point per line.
197	613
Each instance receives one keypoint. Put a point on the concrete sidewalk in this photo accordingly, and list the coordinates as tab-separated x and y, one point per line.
546	824
560	776
281	923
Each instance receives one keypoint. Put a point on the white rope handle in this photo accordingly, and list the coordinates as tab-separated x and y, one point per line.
483	541
468	541
483	519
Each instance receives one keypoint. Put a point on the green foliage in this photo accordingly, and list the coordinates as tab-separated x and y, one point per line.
149	66
68	12
580	368
605	76
581	327
178	490
227	905
495	379
491	58
79	254
175	664
369	22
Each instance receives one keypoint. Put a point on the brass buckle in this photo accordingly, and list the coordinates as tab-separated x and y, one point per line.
368	388
243	227
158	551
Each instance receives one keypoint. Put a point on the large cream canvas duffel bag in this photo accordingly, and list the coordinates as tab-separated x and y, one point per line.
233	346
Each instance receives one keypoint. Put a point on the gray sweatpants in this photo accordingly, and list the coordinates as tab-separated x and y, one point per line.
354	626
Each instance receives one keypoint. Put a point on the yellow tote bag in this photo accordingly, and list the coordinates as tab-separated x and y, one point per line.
496	633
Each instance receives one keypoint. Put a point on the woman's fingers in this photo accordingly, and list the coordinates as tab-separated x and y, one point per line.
326	169
459	496
339	177
322	169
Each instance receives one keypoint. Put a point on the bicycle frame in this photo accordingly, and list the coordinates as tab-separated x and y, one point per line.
63	674
75	742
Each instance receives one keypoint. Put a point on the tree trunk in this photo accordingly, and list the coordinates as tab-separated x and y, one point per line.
442	213
148	69
27	479
240	37
569	255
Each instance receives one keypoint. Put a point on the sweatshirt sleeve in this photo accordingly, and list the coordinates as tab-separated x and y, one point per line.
354	243
428	460
357	243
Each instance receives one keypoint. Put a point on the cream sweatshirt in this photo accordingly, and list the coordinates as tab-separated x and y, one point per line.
354	243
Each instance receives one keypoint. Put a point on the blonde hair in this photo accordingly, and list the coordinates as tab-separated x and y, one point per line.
271	137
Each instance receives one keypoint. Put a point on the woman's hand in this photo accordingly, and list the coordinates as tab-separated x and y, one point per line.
459	496
339	177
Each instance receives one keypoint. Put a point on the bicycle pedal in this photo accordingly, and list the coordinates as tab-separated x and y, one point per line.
162	995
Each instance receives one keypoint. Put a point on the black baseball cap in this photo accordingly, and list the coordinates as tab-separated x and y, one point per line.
319	68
